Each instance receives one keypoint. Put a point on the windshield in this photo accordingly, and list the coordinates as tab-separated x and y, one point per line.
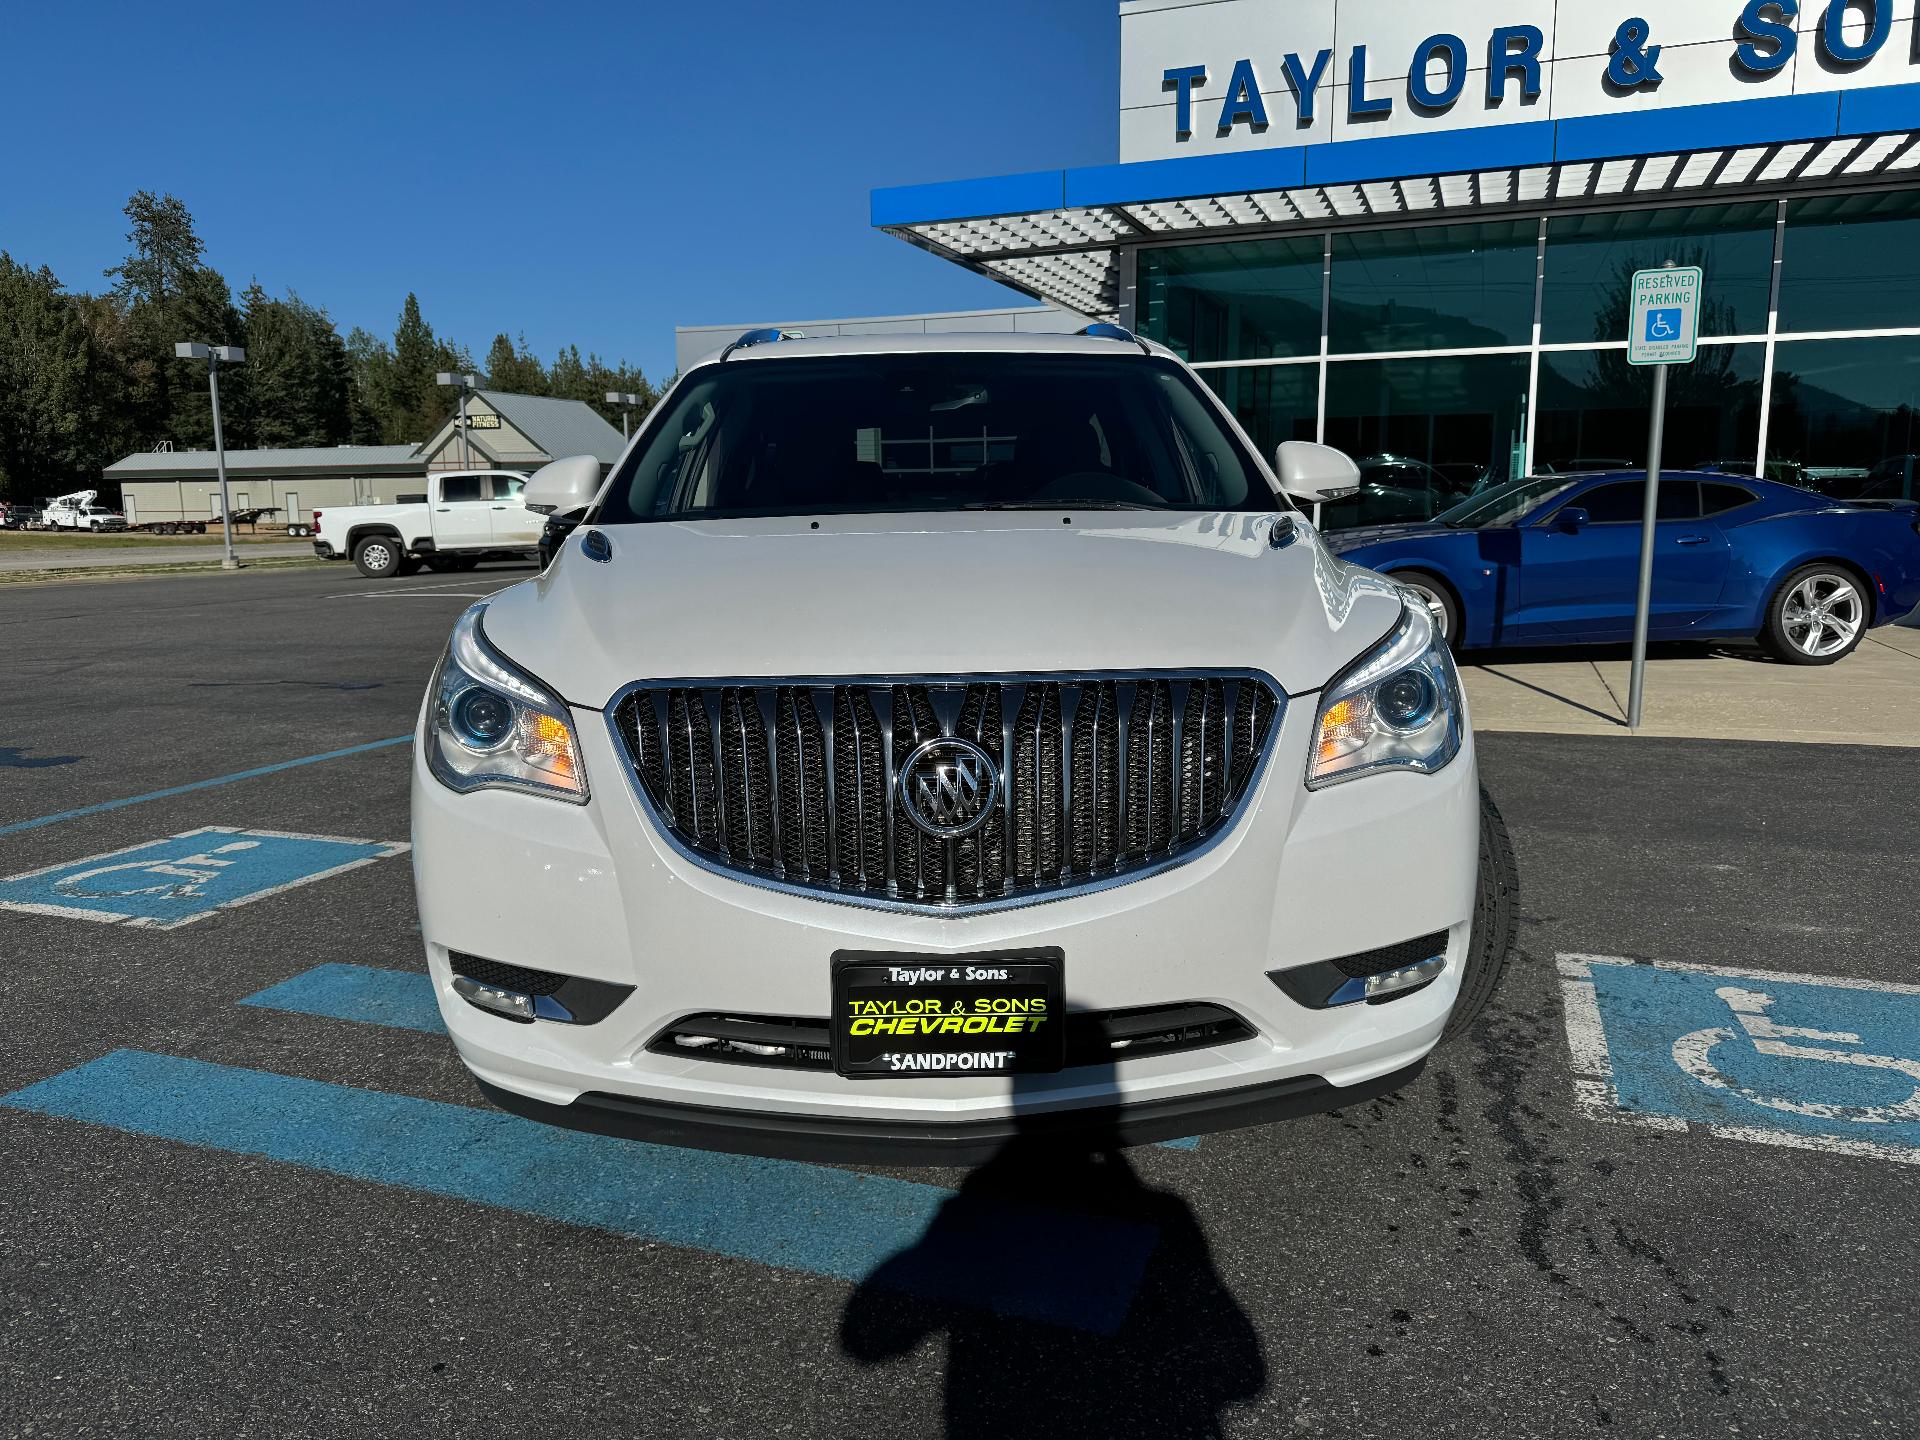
1504	505
834	435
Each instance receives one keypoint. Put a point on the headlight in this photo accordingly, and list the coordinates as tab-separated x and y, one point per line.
490	724
1397	709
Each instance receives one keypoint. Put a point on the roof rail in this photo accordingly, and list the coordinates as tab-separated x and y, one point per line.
1105	330
766	335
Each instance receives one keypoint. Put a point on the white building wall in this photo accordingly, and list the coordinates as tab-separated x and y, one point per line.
1698	39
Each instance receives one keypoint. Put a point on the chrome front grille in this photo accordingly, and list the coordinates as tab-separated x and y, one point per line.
1102	778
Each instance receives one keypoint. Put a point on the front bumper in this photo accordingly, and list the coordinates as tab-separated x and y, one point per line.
593	891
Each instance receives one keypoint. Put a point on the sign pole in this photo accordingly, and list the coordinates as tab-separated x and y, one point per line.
1663	330
1643	603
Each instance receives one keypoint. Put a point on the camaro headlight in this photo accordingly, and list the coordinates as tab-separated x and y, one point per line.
1397	709
490	724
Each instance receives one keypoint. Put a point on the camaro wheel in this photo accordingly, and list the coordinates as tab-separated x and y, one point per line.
1818	615
1446	614
1496	912
378	556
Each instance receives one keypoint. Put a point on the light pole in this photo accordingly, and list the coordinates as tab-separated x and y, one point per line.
628	403
215	355
466	383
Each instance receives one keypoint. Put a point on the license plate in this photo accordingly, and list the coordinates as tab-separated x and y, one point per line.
997	1013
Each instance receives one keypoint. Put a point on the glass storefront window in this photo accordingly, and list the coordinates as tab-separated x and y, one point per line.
1591	260
1425	432
1851	262
1271	402
1594	410
1843	416
1437	287
1248	301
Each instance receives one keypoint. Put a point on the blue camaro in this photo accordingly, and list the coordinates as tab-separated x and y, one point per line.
1554	560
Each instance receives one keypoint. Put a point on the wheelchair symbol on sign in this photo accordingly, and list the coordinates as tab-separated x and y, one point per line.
1661	327
1693	1053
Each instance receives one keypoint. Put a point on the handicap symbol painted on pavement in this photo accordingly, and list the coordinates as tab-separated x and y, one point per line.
1663	324
1812	1061
183	878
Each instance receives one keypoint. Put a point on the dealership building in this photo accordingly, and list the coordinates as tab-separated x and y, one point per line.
1409	230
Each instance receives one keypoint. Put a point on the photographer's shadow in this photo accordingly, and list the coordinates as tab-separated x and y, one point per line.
1126	1327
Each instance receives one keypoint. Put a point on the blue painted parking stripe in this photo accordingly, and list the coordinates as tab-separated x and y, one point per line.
255	773
1079	1271
397	998
400	999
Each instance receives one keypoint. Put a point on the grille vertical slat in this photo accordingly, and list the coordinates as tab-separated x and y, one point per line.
980	860
1202	756
919	860
800	751
859	791
796	781
1095	807
1150	777
690	748
748	786
1035	787
1213	750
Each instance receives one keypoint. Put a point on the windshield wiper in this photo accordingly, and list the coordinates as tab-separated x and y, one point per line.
1058	505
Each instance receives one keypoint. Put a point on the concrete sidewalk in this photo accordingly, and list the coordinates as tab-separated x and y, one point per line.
79	557
1701	692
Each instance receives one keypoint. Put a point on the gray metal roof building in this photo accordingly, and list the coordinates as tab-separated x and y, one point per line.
504	432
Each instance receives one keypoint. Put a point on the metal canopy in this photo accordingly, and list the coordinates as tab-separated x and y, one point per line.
1069	253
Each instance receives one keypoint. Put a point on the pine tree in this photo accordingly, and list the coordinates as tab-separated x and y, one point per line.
514	368
370	366
43	375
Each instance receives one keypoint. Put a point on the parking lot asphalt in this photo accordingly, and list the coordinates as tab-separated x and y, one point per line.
295	1216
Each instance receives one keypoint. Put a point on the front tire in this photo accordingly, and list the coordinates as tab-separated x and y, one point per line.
1496	915
1817	616
379	557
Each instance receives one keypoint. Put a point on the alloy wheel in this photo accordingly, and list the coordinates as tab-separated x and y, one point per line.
1823	614
1436	604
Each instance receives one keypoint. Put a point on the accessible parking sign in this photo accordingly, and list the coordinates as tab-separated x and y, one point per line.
1665	324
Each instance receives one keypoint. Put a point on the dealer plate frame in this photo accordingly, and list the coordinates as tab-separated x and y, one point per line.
844	962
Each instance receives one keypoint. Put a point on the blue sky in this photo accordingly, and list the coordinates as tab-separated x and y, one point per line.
590	174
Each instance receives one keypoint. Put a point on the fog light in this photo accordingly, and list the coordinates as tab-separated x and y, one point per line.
510	1003
1395	981
1389	984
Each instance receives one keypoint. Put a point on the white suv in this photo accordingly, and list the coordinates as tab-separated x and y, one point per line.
923	740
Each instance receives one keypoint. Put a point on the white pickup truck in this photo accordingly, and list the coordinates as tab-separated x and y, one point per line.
467	515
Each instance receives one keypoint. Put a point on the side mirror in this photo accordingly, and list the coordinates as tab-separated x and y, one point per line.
1572	519
562	485
1314	473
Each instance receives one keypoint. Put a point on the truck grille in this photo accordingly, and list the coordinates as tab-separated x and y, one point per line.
1101	777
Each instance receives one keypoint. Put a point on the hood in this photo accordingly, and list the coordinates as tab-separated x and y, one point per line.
1361	536
940	594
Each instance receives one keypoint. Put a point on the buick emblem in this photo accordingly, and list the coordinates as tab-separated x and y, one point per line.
948	787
